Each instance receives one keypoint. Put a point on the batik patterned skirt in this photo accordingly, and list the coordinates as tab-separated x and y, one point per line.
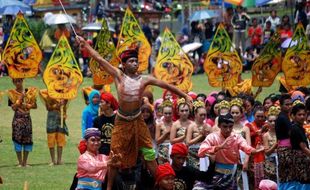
22	128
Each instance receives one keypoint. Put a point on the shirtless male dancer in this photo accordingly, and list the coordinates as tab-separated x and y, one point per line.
130	134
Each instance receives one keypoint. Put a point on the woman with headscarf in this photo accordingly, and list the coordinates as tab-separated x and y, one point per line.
92	166
91	111
105	121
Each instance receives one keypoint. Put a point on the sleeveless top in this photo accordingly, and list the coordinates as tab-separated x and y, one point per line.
130	89
181	131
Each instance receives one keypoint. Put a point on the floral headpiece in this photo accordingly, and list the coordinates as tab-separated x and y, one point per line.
198	104
181	101
274	110
224	104
236	102
166	103
297	101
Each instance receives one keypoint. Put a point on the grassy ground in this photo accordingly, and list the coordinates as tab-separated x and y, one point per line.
40	175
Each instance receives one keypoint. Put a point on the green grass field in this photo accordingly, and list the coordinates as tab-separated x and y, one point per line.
40	175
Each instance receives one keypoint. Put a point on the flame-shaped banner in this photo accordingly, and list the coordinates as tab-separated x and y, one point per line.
173	65
223	64
62	75
296	63
268	64
244	87
131	35
106	49
22	54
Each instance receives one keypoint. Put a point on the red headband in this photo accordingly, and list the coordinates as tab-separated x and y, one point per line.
128	54
162	171
179	148
108	97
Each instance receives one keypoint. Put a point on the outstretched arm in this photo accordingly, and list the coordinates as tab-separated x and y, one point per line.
103	64
153	81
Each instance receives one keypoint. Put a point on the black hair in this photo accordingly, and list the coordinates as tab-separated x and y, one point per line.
258	108
201	95
297	108
250	99
257	103
284	97
308	104
228	118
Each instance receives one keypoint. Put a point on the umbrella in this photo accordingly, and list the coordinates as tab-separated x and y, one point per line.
59	19
191	47
14	4
261	2
96	26
289	43
202	14
13	10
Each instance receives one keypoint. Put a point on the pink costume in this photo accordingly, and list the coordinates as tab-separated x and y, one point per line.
229	155
92	166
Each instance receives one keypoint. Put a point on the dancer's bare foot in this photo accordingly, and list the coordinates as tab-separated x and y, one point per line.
60	163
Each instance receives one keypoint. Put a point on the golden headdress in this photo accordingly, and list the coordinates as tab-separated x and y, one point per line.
166	103
224	104
274	110
198	104
297	101
181	101
236	102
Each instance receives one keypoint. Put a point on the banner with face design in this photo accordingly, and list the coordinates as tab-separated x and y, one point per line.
132	36
268	64
222	64
22	54
296	63
172	64
62	75
106	49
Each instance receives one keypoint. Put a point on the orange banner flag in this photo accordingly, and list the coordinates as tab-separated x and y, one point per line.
222	64
132	35
173	65
22	54
62	75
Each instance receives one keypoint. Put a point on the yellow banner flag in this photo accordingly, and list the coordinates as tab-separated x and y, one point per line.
62	75
223	64
267	66
22	54
106	49
173	65
296	63
131	35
